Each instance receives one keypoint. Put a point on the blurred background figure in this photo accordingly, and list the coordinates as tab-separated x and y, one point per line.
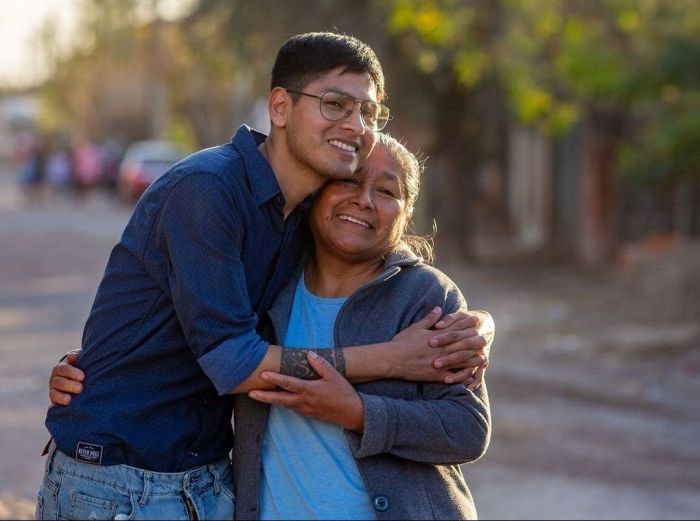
59	167
31	159
112	152
87	161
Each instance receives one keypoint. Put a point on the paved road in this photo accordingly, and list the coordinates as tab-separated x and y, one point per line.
587	423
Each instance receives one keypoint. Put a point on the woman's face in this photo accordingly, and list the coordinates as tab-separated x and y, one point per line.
362	218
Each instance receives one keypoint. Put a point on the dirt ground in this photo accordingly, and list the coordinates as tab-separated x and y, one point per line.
594	400
594	385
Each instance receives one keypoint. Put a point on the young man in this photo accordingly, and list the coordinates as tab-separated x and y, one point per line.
172	328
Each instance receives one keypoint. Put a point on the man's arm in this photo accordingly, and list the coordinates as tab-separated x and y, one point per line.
450	358
418	353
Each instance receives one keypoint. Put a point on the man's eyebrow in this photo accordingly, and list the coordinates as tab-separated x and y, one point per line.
345	93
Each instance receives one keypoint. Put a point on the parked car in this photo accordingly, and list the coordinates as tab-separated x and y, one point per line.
143	163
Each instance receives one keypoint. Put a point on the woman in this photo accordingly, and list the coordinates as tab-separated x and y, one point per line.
386	449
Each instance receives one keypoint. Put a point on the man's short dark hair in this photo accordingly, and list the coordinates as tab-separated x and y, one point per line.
306	57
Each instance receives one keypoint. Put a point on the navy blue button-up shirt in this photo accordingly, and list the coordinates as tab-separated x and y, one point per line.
173	325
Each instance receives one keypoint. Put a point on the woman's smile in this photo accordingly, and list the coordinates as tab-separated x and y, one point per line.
355	221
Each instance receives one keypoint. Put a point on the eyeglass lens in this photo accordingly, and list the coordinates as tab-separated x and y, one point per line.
335	106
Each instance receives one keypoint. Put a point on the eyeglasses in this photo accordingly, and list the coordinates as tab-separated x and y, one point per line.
335	106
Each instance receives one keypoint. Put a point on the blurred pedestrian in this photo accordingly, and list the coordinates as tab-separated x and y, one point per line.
87	161
59	167
32	167
112	153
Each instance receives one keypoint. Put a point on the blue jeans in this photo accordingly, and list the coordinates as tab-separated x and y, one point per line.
76	490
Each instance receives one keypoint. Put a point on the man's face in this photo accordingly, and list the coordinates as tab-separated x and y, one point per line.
331	149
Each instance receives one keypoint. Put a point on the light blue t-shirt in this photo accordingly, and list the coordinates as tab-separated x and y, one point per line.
308	469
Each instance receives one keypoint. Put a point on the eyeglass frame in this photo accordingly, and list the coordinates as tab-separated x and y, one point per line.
355	100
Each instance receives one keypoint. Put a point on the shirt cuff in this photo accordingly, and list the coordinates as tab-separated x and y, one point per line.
379	430
232	361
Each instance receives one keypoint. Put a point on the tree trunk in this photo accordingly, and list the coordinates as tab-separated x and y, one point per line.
600	204
454	173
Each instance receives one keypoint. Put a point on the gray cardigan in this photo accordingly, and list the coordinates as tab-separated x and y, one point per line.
415	434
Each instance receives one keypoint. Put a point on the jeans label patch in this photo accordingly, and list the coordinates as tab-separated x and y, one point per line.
89	453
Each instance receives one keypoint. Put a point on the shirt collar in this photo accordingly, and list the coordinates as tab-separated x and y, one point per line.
261	177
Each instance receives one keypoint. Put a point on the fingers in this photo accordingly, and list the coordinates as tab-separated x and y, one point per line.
288	383
68	371
429	320
450	337
459	319
477	378
282	398
288	397
460	360
72	356
475	344
321	366
65	385
59	398
464	376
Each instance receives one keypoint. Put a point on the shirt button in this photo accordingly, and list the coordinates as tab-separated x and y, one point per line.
381	503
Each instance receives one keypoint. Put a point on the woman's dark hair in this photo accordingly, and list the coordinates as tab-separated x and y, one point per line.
305	57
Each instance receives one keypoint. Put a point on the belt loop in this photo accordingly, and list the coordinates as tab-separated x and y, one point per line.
146	488
217	485
50	456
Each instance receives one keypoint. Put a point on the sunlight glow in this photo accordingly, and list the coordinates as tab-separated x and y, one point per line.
20	61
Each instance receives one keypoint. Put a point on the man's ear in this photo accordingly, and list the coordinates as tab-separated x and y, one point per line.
278	105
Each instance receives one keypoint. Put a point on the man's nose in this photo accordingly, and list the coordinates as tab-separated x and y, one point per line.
353	121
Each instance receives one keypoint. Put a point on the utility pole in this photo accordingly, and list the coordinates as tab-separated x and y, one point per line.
157	86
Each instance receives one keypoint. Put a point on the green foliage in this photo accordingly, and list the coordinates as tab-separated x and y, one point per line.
181	132
444	31
435	22
666	147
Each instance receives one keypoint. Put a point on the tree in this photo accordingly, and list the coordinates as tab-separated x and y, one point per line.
624	70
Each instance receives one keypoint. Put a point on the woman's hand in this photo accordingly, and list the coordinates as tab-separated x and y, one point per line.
331	398
65	380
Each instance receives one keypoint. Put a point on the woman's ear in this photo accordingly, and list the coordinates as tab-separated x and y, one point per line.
278	104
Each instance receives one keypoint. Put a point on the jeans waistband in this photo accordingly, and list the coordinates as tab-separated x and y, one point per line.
139	480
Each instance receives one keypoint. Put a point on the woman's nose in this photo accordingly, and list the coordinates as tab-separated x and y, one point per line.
363	197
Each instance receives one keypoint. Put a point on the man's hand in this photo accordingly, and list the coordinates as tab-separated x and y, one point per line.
461	339
470	337
330	399
65	380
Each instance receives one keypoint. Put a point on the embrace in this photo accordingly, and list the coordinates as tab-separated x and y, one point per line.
273	278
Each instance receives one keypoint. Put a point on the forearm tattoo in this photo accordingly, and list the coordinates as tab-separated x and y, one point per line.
294	362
